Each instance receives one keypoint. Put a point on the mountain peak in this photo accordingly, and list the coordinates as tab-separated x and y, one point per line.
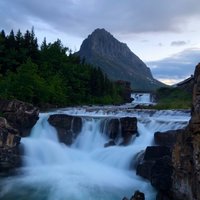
102	49
104	43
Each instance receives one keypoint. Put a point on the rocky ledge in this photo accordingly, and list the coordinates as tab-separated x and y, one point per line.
137	196
186	153
17	119
68	127
175	172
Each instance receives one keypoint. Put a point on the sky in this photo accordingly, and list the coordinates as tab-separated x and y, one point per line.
165	34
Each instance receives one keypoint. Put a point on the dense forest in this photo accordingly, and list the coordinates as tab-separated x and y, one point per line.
49	74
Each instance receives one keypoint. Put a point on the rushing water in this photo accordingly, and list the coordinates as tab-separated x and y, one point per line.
142	98
86	170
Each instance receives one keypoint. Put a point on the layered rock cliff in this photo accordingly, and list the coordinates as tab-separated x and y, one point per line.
176	175
116	60
186	153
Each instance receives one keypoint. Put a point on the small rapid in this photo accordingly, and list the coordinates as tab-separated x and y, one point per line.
86	170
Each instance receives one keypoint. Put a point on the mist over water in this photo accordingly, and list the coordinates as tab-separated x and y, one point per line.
86	170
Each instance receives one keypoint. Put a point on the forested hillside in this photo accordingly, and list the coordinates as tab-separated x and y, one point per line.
49	74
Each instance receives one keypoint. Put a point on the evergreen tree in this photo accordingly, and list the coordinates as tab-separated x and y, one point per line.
51	74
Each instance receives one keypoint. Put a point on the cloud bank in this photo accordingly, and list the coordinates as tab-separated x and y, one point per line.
176	67
81	17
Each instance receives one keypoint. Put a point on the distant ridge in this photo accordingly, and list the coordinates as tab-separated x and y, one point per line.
117	61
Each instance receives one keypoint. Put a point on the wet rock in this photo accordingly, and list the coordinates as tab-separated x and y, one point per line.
20	115
156	152
137	196
156	166
9	160
9	148
128	128
167	138
125	127
113	128
186	152
164	196
18	119
109	144
68	127
161	173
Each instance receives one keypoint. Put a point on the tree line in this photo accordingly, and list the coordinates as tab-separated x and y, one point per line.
50	74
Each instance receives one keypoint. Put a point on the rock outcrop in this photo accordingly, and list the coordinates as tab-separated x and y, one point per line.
125	127
17	119
186	153
20	115
67	127
137	196
156	166
177	177
116	60
9	147
167	138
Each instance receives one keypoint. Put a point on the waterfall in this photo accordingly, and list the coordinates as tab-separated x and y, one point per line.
142	98
85	170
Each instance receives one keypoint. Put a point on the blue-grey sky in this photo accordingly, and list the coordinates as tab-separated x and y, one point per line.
164	34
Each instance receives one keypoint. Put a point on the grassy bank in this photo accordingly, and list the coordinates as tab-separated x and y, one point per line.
173	98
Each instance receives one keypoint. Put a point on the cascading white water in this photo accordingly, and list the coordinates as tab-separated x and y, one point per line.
86	170
142	98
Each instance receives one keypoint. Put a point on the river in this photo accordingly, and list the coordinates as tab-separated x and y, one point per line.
86	170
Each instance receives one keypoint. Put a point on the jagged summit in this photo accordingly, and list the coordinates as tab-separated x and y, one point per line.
117	60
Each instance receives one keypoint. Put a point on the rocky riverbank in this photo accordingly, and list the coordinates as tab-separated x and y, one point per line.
186	154
173	167
16	120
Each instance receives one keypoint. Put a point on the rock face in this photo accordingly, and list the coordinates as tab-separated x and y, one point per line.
20	115
116	60
137	196
67	127
156	166
126	126
17	120
167	138
9	147
186	153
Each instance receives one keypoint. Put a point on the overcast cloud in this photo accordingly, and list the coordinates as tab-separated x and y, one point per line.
150	25
178	66
80	17
178	43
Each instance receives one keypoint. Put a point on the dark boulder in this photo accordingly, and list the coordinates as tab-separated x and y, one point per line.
124	127
137	196
20	115
166	195
9	148
10	160
113	128
144	169
68	127
109	144
167	138
156	166
161	173
156	152
128	129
